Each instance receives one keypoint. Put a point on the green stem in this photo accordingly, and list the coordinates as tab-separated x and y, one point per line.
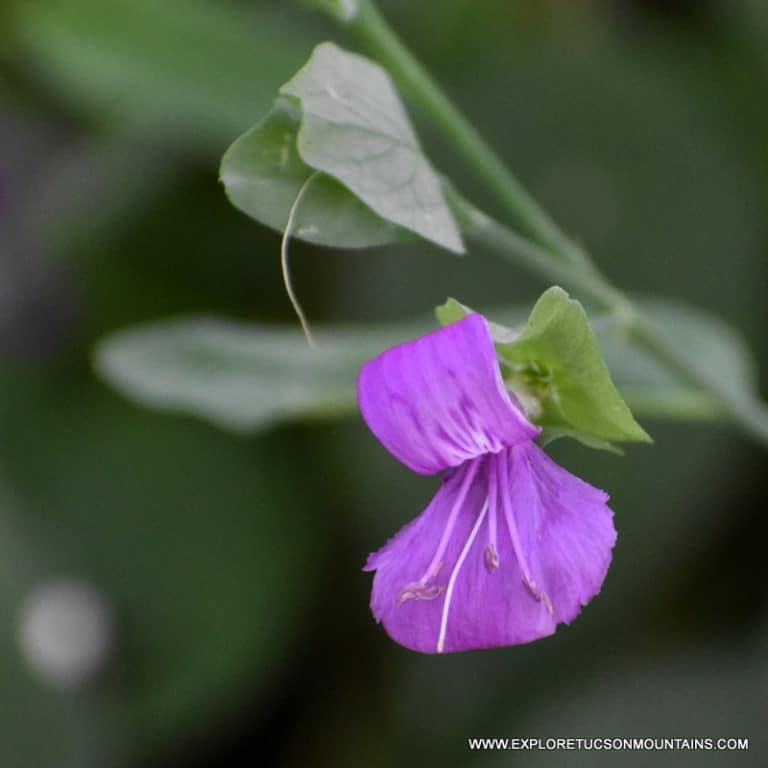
499	238
748	412
365	20
553	256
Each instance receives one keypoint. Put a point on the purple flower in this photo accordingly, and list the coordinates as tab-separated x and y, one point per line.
511	544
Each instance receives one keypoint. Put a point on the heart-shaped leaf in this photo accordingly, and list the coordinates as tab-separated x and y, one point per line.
264	175
338	150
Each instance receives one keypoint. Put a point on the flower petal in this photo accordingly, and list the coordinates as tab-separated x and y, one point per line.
566	536
440	400
402	562
566	529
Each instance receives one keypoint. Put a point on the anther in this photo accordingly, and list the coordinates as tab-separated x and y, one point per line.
417	591
541	597
491	558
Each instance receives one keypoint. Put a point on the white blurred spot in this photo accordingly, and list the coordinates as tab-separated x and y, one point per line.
348	9
65	632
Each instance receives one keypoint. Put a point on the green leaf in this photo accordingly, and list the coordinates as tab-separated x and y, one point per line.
453	311
557	356
242	377
647	386
550	434
354	128
263	176
705	340
189	72
246	377
556	360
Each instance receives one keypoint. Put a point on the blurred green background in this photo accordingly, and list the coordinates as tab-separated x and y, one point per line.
223	572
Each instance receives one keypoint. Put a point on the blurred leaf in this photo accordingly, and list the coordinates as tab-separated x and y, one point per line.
185	70
264	176
708	343
246	377
238	376
114	177
355	128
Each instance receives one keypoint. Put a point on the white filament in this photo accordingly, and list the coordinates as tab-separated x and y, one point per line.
458	503
455	575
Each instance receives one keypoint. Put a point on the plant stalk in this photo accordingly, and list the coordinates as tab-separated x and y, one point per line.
367	22
549	253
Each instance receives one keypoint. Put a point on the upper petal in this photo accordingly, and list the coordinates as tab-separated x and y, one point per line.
440	400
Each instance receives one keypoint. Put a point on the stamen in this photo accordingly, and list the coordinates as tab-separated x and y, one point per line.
418	591
542	597
466	484
502	476
454	576
491	558
491	551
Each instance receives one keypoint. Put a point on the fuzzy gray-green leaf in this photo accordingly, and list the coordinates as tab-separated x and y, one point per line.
354	127
263	175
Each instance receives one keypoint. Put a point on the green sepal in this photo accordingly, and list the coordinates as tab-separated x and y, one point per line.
555	366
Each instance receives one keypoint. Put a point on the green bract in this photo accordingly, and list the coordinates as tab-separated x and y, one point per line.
555	361
340	133
557	355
